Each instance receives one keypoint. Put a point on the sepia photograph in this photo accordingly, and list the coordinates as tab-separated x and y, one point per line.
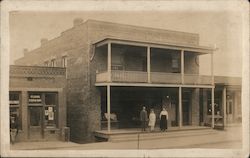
125	78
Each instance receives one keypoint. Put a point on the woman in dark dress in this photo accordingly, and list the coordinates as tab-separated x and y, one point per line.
163	120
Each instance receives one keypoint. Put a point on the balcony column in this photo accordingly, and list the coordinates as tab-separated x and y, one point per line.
224	96
109	62
148	64
108	107
182	66
212	90
212	68
180	107
212	103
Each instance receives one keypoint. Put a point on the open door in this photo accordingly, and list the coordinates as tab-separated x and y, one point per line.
35	122
229	111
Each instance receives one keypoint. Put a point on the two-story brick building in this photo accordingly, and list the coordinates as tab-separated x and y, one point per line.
115	69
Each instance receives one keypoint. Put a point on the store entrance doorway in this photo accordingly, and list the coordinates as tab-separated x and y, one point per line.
35	122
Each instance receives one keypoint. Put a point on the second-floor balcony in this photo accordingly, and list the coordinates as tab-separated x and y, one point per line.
137	62
121	76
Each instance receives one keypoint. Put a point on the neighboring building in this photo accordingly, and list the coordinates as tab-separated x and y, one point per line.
228	91
37	98
114	69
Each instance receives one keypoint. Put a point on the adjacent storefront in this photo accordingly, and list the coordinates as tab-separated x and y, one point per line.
37	101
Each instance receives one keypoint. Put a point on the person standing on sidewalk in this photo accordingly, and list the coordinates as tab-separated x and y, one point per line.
143	118
152	120
13	128
164	119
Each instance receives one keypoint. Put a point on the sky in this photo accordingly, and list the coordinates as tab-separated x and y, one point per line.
222	29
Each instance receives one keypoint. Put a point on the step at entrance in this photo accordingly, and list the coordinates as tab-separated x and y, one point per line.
134	135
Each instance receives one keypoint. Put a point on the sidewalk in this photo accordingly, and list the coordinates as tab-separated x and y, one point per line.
43	145
218	139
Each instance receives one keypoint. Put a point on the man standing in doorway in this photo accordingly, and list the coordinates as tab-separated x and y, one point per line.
144	118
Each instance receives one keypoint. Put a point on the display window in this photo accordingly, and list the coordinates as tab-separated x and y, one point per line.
14	107
50	110
217	103
47	101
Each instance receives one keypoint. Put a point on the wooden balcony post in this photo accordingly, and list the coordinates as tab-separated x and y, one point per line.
108	107
212	91
182	66
109	62
224	94
180	107
212	103
212	69
148	64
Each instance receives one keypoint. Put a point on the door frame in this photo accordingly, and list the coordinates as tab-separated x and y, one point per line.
41	120
230	115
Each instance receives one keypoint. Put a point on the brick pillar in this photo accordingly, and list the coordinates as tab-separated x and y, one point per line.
61	109
204	95
195	107
24	109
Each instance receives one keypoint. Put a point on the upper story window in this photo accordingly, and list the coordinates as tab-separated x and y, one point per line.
176	65
64	61
53	63
46	63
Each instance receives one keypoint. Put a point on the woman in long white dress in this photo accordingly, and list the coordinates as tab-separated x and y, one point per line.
152	120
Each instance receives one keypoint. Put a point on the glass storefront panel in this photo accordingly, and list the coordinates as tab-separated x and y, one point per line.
14	107
50	110
48	103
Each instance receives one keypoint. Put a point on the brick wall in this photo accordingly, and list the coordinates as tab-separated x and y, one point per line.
195	106
205	98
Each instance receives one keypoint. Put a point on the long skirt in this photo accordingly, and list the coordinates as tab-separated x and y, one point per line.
163	123
13	134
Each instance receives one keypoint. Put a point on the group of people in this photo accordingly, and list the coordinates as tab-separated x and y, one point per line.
151	119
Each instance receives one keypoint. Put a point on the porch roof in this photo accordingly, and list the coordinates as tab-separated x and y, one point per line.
175	46
229	81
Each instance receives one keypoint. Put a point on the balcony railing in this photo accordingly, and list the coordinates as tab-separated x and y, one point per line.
129	76
36	71
156	77
195	79
102	77
170	78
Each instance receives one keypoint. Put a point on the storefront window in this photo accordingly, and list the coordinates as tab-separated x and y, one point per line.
43	109
217	103
14	103
50	110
